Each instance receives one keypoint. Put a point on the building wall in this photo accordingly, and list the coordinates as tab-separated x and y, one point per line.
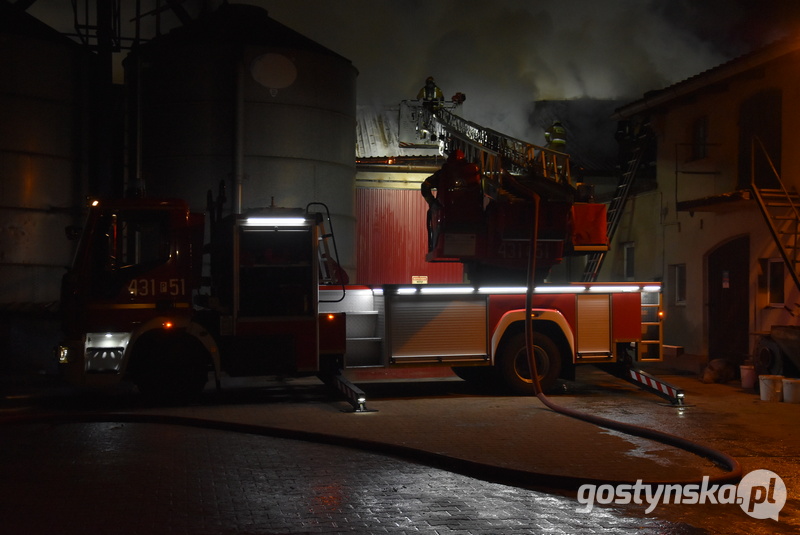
646	239
665	237
391	232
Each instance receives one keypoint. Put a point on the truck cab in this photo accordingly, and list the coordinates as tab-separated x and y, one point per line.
137	259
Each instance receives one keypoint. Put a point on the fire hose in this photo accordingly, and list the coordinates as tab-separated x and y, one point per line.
731	465
486	471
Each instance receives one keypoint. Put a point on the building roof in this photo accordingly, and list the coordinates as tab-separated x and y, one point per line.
377	135
590	133
723	73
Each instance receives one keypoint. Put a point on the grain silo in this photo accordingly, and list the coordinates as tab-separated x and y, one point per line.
235	96
43	158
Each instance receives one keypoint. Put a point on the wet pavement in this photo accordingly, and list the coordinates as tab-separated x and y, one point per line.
437	456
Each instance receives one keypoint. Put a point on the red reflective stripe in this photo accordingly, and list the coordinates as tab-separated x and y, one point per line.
649	381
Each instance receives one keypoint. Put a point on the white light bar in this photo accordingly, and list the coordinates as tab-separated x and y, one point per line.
406	291
445	290
559	289
274	222
519	290
632	288
513	290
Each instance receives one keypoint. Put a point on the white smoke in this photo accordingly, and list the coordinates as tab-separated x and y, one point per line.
506	54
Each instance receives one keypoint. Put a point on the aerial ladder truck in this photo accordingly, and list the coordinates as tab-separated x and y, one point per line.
169	298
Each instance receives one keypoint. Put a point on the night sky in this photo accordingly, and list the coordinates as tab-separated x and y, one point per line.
507	54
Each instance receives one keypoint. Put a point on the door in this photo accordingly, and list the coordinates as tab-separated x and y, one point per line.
727	283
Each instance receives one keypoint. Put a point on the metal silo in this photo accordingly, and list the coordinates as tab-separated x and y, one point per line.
42	160
237	96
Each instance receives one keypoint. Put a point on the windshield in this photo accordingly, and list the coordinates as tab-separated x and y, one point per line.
126	245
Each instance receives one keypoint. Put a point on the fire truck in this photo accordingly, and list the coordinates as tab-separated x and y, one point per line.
167	298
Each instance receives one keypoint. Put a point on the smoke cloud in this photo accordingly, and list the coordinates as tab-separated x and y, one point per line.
507	54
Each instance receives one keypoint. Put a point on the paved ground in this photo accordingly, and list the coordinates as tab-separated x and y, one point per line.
234	462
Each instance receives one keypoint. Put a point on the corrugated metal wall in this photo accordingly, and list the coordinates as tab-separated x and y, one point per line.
392	239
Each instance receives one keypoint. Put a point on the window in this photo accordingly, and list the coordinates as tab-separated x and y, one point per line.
628	261
775	282
128	244
678	283
700	138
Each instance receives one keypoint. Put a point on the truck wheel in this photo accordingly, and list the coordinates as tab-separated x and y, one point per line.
173	372
514	367
768	357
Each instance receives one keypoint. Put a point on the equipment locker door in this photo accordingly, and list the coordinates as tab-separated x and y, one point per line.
436	328
594	327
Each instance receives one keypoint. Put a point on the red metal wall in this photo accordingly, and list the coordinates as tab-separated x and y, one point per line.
392	239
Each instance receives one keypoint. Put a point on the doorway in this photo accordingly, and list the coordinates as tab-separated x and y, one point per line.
728	287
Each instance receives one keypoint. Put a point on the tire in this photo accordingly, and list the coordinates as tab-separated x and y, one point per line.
514	368
173	370
768	358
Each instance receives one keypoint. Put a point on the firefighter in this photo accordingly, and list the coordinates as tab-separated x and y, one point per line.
458	205
438	181
430	95
432	99
556	137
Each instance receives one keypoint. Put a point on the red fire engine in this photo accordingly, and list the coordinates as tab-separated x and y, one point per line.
155	298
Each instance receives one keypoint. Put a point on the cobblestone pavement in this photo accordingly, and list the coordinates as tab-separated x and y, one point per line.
125	476
151	478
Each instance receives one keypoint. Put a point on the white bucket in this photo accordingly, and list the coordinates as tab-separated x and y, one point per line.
771	387
748	377
791	390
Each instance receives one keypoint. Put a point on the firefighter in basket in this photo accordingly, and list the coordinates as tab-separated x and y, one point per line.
458	200
432	99
556	138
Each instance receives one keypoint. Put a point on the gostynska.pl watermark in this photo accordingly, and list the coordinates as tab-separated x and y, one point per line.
760	494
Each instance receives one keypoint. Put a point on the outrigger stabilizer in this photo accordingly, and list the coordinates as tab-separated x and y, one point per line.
354	395
648	382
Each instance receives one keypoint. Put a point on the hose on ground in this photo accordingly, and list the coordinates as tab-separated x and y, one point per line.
725	461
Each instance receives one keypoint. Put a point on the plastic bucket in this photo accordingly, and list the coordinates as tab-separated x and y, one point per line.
791	390
771	387
748	377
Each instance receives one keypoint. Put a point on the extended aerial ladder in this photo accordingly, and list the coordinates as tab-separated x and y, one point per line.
641	143
498	152
512	168
512	172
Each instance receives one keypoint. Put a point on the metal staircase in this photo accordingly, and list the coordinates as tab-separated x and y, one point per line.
617	205
781	210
